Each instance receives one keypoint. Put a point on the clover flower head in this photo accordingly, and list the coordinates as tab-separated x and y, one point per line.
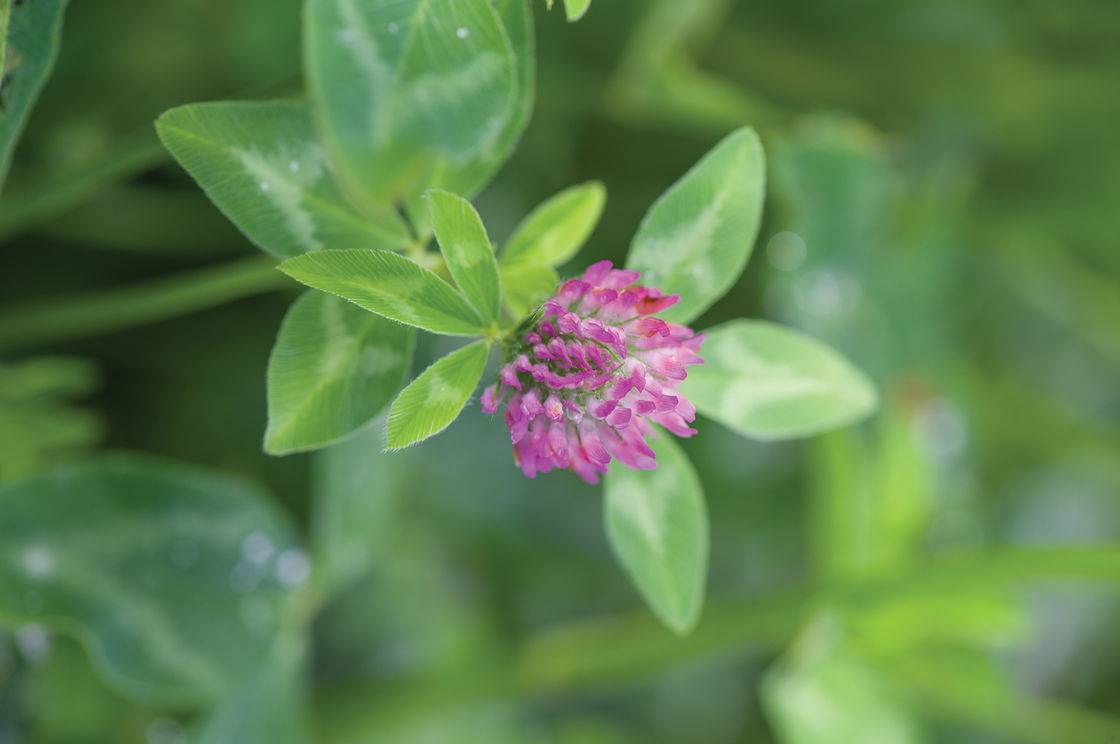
591	373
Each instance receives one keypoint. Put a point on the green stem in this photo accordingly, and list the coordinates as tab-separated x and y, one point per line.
98	313
61	193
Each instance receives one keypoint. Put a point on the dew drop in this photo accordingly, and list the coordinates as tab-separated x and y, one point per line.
294	166
33	642
292	567
786	251
257	548
462	32
394	28
37	562
265	186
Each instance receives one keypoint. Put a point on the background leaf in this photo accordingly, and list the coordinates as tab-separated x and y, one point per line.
436	397
658	526
467	251
263	166
398	84
33	33
769	382
389	285
176	580
333	368
696	240
556	230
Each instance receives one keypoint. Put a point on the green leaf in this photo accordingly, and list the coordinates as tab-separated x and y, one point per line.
696	240
175	580
658	526
768	382
332	370
469	178
436	397
34	30
467	251
263	166
556	230
825	692
389	285
576	8
526	286
398	85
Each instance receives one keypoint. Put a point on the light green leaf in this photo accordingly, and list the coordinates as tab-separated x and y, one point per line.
389	285
333	369
262	165
576	8
34	30
398	85
469	178
696	240
825	692
175	580
768	382
467	251
526	286
556	230
436	397
658	526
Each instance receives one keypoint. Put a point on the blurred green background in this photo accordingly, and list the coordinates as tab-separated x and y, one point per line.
943	207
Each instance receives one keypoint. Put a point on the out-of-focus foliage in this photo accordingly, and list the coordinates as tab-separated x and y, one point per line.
940	207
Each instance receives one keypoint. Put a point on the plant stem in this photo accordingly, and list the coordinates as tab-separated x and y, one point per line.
98	313
63	192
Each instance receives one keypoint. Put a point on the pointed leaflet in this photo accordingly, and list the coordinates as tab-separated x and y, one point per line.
33	33
389	285
437	397
695	241
262	165
769	382
398	84
657	522
333	368
467	251
175	580
576	9
556	230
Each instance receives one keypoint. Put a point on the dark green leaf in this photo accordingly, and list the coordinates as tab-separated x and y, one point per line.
33	33
176	580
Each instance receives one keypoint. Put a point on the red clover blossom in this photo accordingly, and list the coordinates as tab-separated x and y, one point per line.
591	372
